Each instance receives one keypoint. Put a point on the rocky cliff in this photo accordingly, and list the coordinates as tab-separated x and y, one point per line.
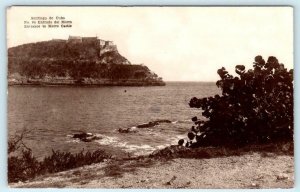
83	61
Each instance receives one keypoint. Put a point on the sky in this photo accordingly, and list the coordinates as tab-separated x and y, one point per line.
177	43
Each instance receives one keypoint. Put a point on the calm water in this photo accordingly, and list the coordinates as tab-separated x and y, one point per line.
53	114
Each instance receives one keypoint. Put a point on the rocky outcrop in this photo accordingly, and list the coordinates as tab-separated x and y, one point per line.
77	61
128	130
85	137
144	125
153	123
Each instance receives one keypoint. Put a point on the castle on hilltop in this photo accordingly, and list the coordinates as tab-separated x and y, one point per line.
102	45
78	39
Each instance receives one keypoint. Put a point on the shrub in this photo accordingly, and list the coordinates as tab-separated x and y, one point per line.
255	107
22	168
26	166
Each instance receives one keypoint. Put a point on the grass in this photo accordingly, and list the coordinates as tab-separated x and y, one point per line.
283	148
26	166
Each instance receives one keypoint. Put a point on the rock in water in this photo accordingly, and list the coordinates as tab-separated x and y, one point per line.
86	137
163	121
81	135
89	139
147	125
153	123
128	130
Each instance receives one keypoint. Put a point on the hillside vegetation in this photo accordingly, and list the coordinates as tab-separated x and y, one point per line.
60	62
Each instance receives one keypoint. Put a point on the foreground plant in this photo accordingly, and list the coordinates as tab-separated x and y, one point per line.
255	107
22	165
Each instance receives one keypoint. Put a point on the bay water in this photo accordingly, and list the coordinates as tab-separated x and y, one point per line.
51	115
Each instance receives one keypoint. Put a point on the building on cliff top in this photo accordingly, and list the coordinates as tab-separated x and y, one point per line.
102	45
100	42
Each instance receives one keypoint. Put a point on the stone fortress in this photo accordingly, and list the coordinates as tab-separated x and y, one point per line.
102	45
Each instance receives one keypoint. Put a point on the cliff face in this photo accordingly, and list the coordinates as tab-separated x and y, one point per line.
85	61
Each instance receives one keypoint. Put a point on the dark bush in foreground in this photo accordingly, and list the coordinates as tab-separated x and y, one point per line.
255	107
26	166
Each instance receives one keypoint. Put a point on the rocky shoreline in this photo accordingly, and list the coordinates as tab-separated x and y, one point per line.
103	83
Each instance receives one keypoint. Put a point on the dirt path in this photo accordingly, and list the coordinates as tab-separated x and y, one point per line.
247	171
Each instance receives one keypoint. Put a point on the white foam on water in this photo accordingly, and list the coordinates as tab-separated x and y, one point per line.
142	149
135	149
106	140
73	141
161	146
182	121
139	149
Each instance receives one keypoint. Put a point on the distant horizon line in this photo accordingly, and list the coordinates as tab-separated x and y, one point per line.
188	81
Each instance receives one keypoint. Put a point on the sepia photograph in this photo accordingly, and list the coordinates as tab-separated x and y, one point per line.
150	97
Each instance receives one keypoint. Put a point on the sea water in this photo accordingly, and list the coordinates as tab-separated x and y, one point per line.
50	116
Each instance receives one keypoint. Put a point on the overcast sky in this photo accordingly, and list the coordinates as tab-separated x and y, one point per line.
177	43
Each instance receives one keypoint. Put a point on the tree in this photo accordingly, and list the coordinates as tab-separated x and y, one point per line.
255	107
